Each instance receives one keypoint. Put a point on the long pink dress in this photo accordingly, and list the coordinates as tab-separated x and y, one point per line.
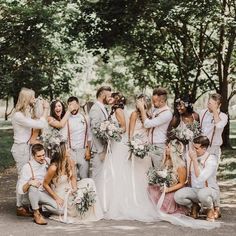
169	205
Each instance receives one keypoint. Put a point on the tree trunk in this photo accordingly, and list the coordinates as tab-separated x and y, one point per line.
226	132
6	115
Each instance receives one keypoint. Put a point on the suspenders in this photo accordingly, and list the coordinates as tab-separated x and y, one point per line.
189	172
85	135
31	168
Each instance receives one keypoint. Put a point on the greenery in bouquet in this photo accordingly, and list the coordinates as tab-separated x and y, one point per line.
108	130
84	199
160	177
138	147
51	137
188	133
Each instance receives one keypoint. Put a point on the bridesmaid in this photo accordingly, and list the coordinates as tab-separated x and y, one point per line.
173	162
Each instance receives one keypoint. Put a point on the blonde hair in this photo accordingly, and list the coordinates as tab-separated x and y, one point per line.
24	99
176	154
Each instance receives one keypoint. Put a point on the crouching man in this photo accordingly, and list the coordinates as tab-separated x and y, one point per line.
31	183
202	170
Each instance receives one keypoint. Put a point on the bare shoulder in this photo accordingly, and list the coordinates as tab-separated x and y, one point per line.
52	168
196	116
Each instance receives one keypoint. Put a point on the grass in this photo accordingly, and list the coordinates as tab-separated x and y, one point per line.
6	140
227	168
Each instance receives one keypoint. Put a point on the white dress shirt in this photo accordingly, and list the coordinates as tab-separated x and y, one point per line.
208	172
39	171
77	129
208	126
160	122
23	125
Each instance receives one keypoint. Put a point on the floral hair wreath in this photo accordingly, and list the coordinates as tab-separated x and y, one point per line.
186	104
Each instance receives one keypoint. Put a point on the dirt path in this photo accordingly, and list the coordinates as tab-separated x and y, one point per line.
11	225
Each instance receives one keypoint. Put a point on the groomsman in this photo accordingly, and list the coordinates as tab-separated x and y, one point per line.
31	183
158	124
79	138
202	171
212	122
23	126
98	113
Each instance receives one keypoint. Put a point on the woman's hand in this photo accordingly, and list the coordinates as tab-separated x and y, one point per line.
60	202
162	189
46	104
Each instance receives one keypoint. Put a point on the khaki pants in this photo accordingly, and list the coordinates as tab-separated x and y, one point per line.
157	155
37	197
187	196
21	155
78	155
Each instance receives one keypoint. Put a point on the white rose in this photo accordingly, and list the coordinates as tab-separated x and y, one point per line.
110	133
141	147
162	173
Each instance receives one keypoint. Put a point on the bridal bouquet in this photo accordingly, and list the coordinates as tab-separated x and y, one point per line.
187	133
51	137
108	130
139	148
84	199
160	177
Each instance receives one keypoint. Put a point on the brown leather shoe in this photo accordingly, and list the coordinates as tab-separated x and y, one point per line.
217	212
195	210
21	211
210	215
38	219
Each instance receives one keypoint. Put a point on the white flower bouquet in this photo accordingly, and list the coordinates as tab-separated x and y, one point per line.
188	133
51	137
139	148
160	177
84	199
108	130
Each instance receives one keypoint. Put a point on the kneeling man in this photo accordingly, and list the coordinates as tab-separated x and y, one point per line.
31	183
202	170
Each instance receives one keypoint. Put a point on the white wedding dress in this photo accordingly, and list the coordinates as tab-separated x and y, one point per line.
124	192
62	188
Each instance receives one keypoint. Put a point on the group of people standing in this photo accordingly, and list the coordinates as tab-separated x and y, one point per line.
119	179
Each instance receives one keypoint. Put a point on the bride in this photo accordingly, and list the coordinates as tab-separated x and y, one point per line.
118	196
60	182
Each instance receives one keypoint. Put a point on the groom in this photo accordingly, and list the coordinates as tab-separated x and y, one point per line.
158	124
98	113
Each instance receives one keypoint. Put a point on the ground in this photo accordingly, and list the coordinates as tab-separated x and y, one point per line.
11	225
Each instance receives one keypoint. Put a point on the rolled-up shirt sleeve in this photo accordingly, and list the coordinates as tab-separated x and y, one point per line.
223	121
22	120
208	170
25	176
159	120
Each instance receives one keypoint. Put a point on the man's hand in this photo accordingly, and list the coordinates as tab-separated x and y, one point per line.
213	105
192	154
35	183
87	154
